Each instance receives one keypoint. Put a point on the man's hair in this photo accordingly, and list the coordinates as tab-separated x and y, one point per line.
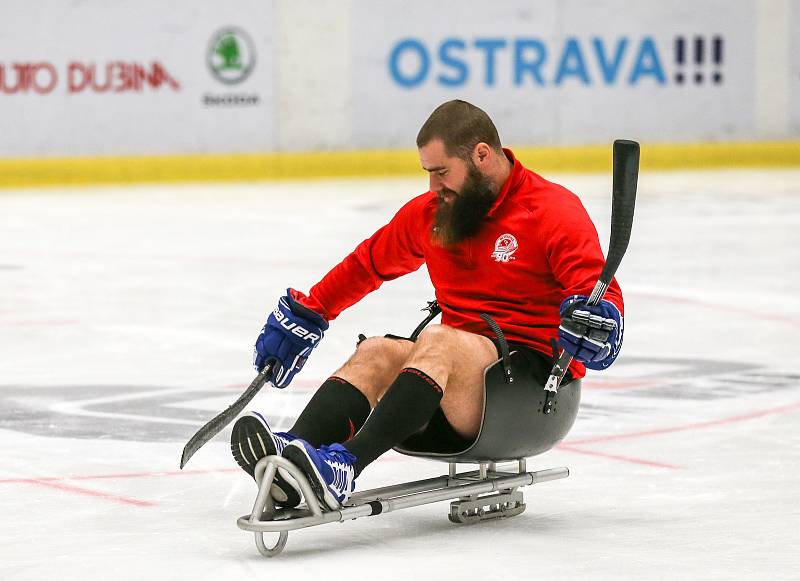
461	126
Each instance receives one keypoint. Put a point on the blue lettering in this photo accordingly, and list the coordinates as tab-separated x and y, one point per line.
572	63
523	64
454	62
409	45
609	69
647	63
410	61
489	46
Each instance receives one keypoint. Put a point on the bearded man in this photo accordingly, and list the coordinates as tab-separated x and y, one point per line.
498	240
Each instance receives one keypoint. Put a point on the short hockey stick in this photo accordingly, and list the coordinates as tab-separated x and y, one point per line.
626	175
214	427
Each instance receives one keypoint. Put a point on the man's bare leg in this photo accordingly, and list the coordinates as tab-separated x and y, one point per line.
409	382
375	365
456	360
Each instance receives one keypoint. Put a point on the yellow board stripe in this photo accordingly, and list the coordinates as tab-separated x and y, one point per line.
19	173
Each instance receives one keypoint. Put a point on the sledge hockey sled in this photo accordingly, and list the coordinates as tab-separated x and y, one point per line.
514	427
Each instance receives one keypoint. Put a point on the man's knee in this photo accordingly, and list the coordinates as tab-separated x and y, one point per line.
379	349
455	341
376	361
434	336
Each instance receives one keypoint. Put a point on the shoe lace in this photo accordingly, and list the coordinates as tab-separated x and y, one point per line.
341	461
339	453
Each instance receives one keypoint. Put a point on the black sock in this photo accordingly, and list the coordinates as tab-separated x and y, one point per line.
335	413
407	406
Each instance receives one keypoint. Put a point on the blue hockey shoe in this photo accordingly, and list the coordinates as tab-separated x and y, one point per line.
252	440
329	469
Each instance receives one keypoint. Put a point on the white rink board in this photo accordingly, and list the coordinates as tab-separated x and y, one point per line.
559	71
60	112
550	73
794	71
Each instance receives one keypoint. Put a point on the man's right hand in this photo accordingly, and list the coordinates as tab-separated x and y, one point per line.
289	336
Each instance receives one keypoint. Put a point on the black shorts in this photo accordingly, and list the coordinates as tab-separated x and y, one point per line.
439	436
540	364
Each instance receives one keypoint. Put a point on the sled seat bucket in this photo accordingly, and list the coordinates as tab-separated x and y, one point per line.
514	425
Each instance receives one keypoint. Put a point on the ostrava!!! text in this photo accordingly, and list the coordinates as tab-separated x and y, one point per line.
112	77
525	62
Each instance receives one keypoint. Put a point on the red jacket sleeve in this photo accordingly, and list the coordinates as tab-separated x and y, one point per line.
394	250
573	249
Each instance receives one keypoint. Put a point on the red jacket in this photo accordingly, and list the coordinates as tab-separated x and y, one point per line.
537	247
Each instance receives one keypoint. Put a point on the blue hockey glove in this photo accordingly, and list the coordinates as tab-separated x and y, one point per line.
591	334
291	333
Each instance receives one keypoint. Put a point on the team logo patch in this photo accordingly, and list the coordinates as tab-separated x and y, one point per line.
504	248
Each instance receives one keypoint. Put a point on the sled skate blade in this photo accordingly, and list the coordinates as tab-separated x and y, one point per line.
504	504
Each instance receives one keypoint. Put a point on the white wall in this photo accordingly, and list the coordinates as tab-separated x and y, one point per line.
349	74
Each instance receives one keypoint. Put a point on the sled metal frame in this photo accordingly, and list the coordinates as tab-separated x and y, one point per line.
483	494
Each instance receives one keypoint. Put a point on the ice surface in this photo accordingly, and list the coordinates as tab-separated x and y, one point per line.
127	317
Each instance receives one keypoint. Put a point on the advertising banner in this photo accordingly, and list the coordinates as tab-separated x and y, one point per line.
558	71
135	78
147	77
794	72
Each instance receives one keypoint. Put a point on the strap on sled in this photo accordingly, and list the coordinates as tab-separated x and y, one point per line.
434	310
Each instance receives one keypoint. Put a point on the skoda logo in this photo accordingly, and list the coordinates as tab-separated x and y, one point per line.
231	55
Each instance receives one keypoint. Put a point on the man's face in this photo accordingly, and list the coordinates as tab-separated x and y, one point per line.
464	193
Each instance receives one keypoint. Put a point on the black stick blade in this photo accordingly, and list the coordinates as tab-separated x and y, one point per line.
626	177
215	426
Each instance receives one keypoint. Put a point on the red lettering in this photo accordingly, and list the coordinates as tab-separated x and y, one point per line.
41	77
3	79
124	77
126	81
156	75
139	76
7	88
109	78
159	75
24	76
77	77
114	76
35	77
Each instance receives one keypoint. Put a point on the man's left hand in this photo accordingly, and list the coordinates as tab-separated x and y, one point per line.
591	334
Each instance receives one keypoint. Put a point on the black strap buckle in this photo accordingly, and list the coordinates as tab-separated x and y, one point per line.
504	351
433	309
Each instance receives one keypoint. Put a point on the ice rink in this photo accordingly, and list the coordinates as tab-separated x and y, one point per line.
127	318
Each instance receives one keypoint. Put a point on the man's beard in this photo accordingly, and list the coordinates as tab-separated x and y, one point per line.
462	218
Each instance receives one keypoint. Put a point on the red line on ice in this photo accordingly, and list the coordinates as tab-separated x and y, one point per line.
695	426
608	384
95	493
618	457
761	315
60	483
119	476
